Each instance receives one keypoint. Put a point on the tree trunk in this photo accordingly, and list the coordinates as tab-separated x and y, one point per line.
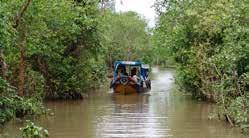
20	13
22	66
3	65
21	45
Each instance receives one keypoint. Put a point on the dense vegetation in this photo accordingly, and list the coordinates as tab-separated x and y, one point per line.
61	49
126	36
209	41
42	45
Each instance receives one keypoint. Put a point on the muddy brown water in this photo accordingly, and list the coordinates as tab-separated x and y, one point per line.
162	112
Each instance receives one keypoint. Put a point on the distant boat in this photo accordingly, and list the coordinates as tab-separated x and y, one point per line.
130	77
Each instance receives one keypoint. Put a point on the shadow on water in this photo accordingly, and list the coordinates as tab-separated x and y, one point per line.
162	112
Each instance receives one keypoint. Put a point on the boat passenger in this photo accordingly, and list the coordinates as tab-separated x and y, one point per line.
121	71
134	79
134	75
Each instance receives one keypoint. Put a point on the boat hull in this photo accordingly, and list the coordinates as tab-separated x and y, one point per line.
125	89
128	89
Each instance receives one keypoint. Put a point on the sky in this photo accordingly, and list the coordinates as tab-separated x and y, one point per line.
143	7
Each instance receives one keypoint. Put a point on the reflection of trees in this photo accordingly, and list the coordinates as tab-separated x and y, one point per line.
188	118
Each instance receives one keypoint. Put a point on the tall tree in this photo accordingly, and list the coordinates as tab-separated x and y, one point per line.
21	29
126	36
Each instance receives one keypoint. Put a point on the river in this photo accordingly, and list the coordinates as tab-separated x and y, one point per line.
162	112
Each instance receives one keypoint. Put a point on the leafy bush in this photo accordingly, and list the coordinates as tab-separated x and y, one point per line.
13	106
33	131
238	110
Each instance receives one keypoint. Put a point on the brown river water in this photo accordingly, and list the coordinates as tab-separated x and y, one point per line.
162	112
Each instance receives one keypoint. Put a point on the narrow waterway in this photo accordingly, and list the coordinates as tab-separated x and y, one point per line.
162	112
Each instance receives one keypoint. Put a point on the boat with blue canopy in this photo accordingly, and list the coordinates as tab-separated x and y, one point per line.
130	77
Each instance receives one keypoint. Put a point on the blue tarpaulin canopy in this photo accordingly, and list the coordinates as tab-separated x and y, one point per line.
125	63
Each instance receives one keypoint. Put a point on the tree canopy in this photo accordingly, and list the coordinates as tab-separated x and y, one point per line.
126	36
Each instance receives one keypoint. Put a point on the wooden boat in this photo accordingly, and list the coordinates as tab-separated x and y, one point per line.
130	77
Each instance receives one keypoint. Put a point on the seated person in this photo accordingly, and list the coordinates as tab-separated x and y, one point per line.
134	76
118	77
122	71
135	79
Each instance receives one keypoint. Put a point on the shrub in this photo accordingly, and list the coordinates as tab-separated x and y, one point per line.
33	131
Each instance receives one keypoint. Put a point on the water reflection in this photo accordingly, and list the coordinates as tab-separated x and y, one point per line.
158	113
132	118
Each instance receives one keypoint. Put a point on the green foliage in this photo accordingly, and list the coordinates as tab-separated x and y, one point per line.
238	109
14	106
67	44
62	46
50	28
125	36
209	42
33	131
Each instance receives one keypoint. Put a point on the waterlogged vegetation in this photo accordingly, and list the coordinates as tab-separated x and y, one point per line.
62	49
33	131
15	106
209	42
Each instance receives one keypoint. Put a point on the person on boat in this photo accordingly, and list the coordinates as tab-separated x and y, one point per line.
124	72
134	79
121	71
134	75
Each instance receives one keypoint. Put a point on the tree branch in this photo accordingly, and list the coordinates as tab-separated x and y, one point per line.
20	13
